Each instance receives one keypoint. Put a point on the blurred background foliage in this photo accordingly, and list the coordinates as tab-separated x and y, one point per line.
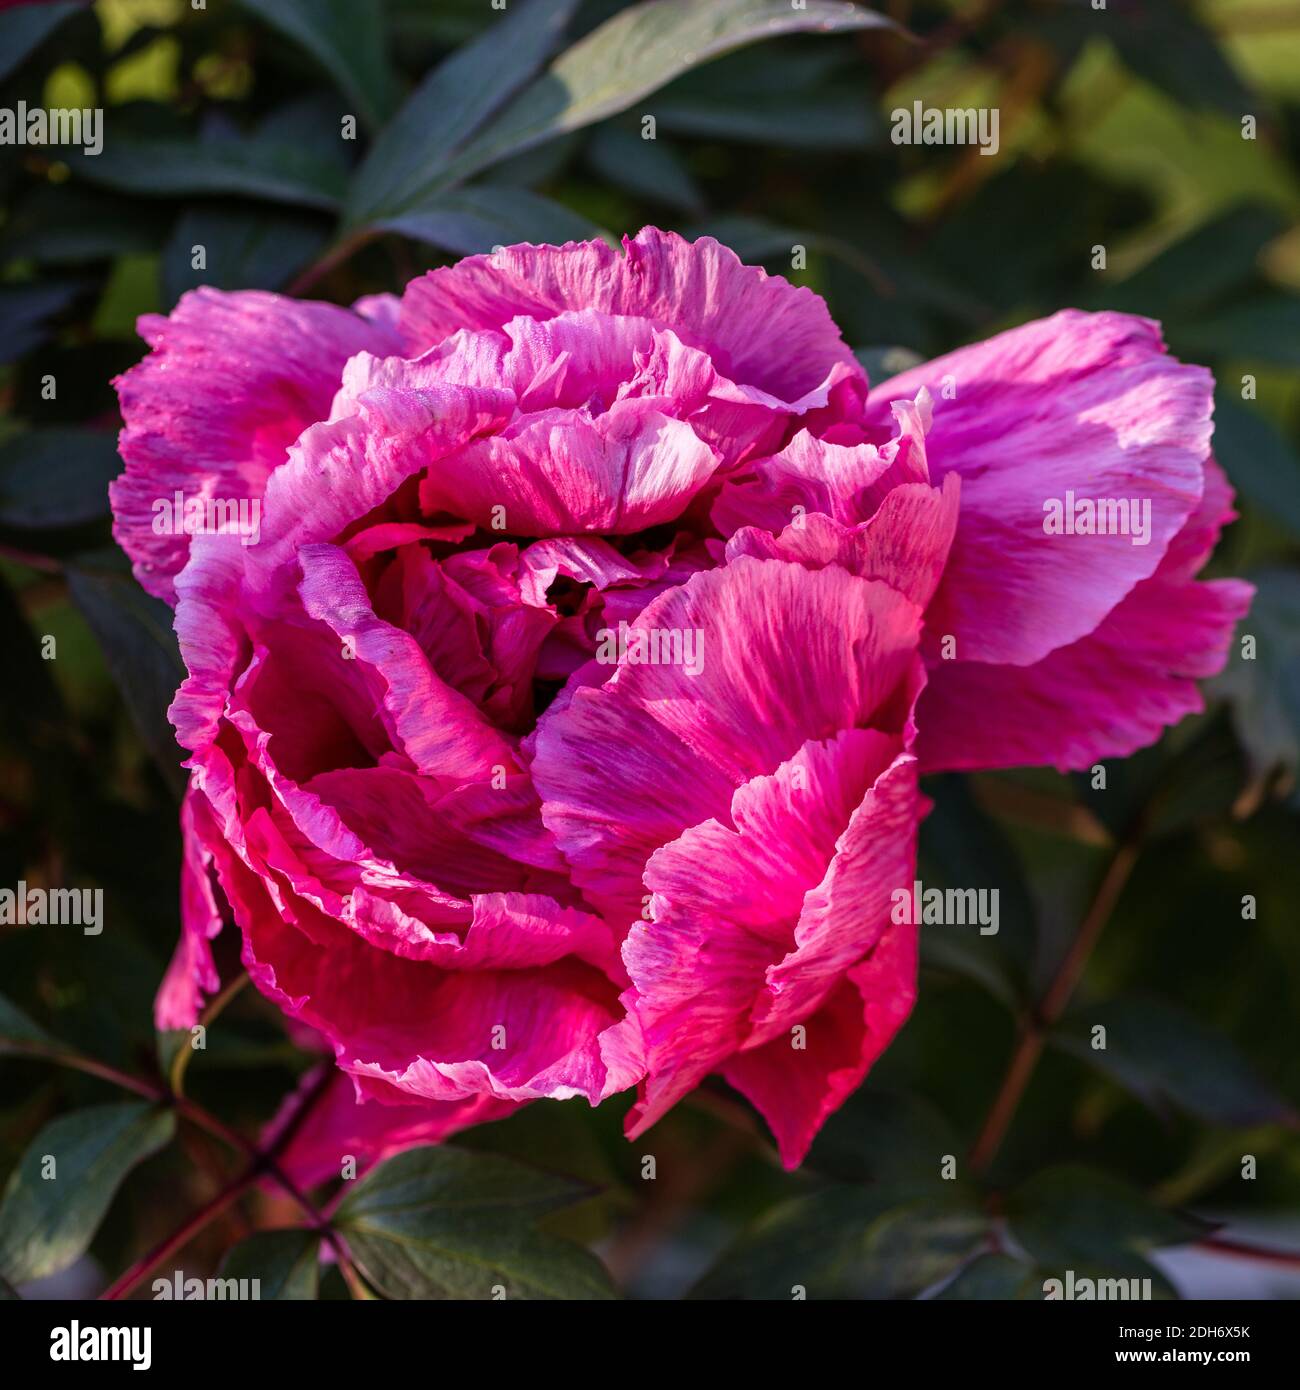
1120	127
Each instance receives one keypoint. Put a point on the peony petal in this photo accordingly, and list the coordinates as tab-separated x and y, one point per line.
786	654
231	381
1089	404
1108	694
905	543
796	1090
559	472
340	472
338	1126
700	290
192	974
734	910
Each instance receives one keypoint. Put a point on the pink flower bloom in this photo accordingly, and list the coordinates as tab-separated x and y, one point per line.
560	731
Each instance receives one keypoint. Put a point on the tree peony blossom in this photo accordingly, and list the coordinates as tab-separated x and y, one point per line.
558	732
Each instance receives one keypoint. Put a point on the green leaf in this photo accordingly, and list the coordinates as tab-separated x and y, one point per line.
475	219
1166	43
255	248
27	311
285	1263
48	1222
65	224
1263	327
23	30
413	151
645	168
1261	463
346	37
20	1034
252	168
882	363
445	1223
962	848
848	1242
637	52
1265	691
790	98
135	632
56	477
1210	261
1076	1218
993	1277
878	1136
1164	1056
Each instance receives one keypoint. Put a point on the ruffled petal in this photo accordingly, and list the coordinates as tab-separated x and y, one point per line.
785	654
338	1127
560	472
701	290
192	975
232	381
1108	694
1088	407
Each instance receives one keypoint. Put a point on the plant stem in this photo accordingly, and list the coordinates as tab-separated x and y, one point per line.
333	256
180	1237
1036	1025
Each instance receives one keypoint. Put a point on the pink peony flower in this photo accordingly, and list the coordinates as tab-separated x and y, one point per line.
558	730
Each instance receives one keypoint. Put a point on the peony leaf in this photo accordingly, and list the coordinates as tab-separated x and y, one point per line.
23	30
993	1277
250	247
286	1264
635	53
1264	690
135	633
1076	1218
850	1242
1258	458
56	477
20	1034
470	220
414	149
964	848
445	1223
1165	1056
177	168
66	1180
346	37
645	168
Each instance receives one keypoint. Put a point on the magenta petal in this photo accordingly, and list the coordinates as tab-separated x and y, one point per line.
905	543
787	655
437	728
752	928
192	974
700	290
559	472
338	1127
1108	694
797	1090
232	381
1089	404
